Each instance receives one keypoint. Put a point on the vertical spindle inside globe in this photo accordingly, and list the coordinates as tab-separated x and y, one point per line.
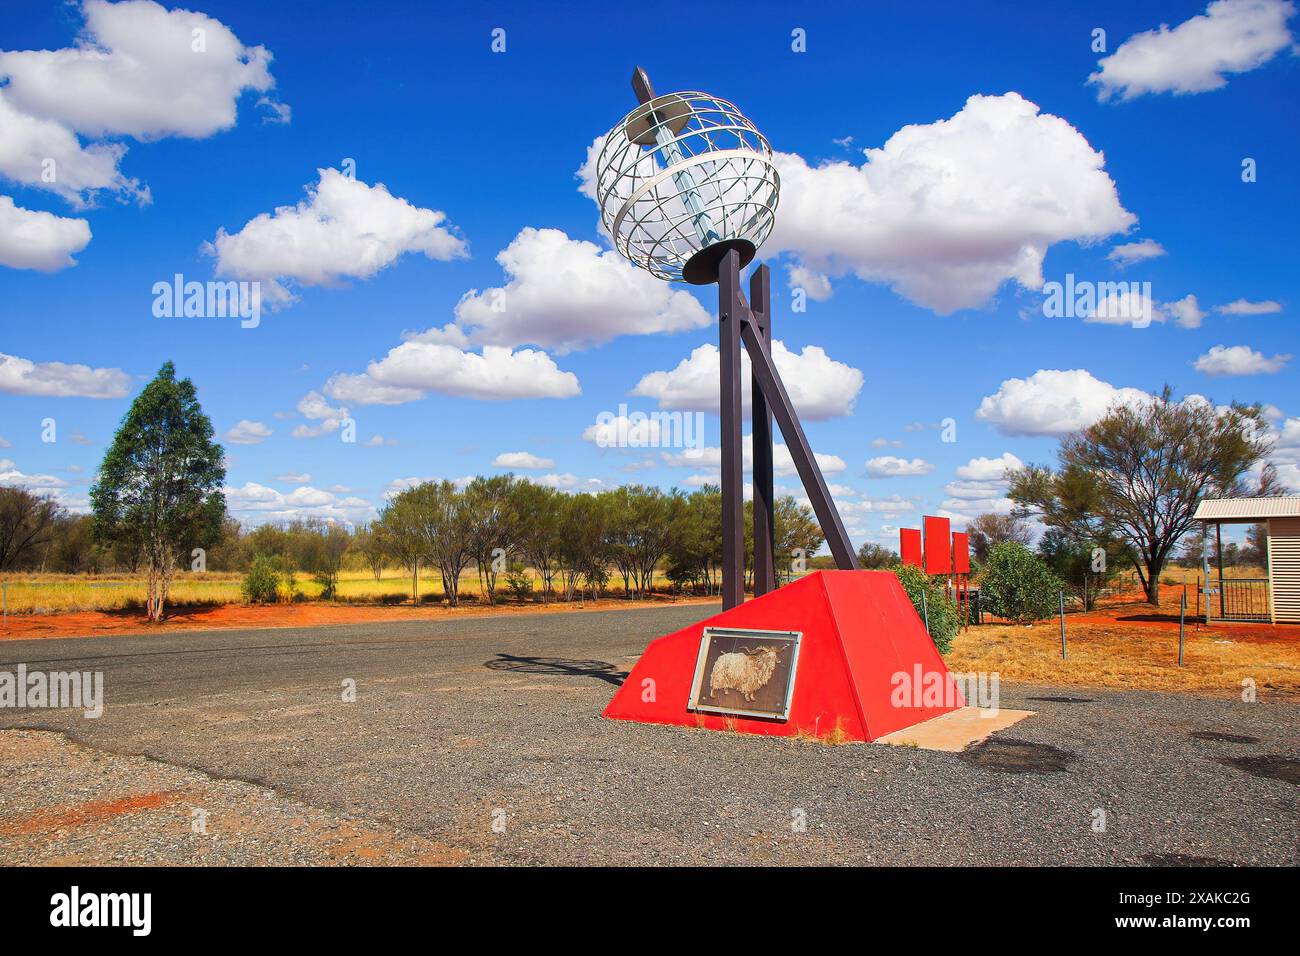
682	179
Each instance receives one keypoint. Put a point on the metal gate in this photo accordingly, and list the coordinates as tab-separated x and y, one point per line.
1238	599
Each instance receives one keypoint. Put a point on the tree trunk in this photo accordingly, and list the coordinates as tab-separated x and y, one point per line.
1154	567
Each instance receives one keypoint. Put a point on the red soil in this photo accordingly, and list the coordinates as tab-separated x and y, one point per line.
94	623
78	815
1132	610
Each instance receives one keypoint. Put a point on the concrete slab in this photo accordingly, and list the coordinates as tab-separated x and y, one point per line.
955	731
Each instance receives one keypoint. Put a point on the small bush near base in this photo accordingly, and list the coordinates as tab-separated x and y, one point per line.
942	612
1017	585
261	583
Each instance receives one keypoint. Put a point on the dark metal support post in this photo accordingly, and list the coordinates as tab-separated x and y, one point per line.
1182	616
771	386
760	303
731	313
1061	595
1218	533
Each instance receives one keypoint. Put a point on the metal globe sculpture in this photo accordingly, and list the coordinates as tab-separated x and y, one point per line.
684	179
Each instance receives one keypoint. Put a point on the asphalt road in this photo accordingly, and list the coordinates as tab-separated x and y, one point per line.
482	738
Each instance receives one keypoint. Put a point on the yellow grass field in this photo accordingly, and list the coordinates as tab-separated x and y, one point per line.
63	593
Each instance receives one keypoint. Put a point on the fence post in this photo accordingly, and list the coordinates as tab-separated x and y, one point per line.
1182	613
4	589
925	612
1061	595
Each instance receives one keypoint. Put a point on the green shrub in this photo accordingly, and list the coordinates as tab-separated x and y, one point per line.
520	584
1018	585
941	611
261	583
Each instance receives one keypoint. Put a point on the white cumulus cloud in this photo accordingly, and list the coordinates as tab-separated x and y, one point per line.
1128	253
136	70
20	376
139	70
1197	55
11	477
567	294
1244	307
39	240
819	386
945	212
1052	402
344	229
247	432
257	503
1238	360
522	460
891	466
416	368
44	154
1186	312
314	407
989	469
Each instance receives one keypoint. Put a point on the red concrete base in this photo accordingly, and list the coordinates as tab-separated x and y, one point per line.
866	665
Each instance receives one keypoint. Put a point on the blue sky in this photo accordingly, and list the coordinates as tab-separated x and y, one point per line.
935	257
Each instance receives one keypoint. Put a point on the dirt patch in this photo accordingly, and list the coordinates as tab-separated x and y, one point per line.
94	811
1009	755
1222	737
1272	766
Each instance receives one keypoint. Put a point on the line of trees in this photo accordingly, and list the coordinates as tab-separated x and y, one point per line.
574	544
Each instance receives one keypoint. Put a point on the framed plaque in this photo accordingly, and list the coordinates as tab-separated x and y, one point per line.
745	673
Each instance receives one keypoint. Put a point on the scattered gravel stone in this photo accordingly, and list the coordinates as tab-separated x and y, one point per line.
442	758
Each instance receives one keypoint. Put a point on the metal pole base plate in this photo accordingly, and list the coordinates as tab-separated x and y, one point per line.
702	268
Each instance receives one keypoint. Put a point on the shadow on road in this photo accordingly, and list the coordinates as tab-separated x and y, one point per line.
601	670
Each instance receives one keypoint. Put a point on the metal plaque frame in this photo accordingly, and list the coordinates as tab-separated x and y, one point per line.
792	639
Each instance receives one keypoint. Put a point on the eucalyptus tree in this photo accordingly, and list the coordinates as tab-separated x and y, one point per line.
494	528
448	526
1139	473
160	483
404	533
539	511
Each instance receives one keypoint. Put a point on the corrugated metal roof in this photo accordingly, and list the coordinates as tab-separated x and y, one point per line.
1247	509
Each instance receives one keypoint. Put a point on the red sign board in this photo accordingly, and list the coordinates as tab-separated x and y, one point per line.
909	546
938	547
960	552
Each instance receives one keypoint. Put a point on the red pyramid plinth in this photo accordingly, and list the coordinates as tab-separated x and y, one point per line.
860	633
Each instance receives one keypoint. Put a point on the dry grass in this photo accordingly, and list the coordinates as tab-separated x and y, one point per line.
1133	656
832	738
1189	576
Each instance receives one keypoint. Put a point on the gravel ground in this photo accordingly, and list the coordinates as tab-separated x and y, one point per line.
480	741
109	809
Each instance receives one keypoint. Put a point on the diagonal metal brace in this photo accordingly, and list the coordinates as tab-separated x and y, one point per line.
766	377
